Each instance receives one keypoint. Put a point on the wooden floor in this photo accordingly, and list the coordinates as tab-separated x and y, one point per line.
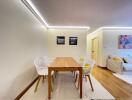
118	88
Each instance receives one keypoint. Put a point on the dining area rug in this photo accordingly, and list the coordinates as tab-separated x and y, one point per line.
64	88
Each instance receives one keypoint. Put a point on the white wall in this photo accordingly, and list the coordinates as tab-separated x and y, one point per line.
22	38
110	42
67	50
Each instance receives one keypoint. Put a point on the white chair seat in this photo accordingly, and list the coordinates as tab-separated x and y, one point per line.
44	71
84	72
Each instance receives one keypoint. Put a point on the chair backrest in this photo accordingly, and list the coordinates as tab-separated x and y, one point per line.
91	62
81	60
40	63
48	60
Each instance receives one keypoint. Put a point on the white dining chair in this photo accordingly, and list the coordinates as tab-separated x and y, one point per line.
87	65
41	64
80	61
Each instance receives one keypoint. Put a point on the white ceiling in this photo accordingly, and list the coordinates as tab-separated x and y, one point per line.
93	13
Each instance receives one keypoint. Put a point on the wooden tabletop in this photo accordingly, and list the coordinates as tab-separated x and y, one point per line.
64	62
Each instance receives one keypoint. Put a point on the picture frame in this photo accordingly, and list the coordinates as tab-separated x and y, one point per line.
125	42
73	40
60	40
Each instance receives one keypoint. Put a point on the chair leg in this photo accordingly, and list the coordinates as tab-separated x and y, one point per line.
43	78
52	78
55	74
74	74
78	82
90	82
86	78
37	84
75	78
52	82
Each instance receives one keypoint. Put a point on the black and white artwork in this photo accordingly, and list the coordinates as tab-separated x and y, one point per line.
73	40
60	40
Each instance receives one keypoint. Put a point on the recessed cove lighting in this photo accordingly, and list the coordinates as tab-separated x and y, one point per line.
69	27
34	10
101	28
116	27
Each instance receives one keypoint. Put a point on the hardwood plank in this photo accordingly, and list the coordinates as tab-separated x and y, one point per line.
65	61
117	87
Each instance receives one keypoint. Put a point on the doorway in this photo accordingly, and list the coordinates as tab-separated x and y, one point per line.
95	48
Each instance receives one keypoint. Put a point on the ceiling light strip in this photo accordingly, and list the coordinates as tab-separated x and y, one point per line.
69	27
101	28
34	10
116	27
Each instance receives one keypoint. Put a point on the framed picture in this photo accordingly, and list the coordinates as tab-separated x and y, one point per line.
125	42
72	40
60	40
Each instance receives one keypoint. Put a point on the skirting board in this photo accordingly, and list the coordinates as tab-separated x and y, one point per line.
26	89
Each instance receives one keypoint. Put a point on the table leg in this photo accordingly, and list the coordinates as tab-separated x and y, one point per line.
80	79
49	83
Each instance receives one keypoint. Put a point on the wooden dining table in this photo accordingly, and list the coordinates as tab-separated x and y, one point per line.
64	64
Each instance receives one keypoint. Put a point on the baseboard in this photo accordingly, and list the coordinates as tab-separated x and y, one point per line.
26	89
101	66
